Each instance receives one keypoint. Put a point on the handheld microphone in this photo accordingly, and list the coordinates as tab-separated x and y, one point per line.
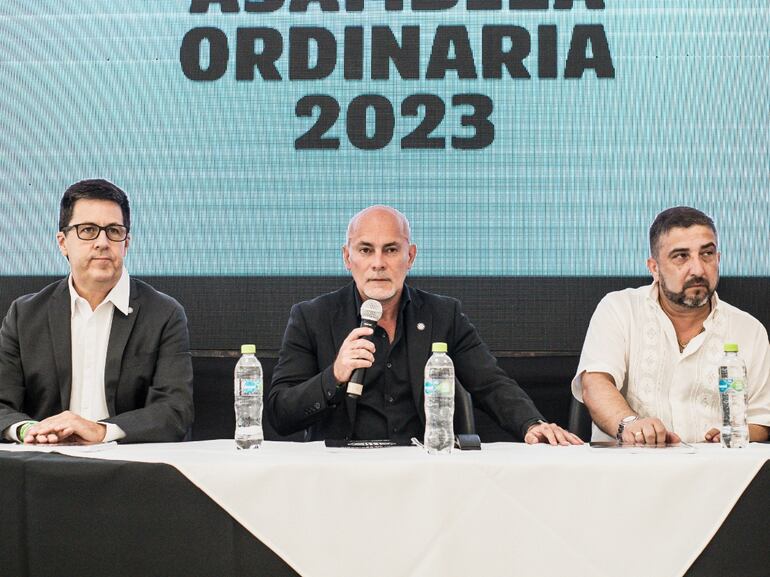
371	311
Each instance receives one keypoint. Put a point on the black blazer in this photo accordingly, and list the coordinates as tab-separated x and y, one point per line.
304	391
148	370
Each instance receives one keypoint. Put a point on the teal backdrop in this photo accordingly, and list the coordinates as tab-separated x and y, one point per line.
577	170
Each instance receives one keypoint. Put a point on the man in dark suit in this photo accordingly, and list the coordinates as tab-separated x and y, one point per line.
97	356
323	345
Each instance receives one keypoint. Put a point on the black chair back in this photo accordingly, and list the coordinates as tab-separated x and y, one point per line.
464	422
579	420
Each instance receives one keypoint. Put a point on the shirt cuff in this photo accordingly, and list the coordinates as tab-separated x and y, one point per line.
577	381
113	433
333	391
10	433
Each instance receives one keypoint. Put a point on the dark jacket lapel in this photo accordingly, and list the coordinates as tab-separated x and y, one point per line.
122	325
59	318
418	320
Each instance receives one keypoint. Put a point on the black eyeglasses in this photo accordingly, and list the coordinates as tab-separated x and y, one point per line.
90	231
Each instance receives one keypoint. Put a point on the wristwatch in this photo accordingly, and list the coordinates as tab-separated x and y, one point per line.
624	422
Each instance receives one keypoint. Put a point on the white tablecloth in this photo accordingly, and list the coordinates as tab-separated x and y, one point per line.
511	509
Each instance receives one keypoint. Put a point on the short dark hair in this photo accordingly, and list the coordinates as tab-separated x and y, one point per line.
95	189
677	217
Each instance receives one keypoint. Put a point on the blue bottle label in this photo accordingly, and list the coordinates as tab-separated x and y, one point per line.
250	387
442	387
724	384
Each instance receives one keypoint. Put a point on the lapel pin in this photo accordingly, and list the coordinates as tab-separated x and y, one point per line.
420	326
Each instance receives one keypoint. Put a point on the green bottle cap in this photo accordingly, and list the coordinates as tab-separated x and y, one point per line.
439	348
248	349
731	347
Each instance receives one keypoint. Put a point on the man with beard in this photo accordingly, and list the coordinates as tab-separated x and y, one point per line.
648	370
324	343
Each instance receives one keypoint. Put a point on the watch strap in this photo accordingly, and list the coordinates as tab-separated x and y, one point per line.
624	422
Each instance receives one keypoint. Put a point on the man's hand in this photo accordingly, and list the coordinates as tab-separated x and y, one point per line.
355	353
550	433
757	434
648	431
65	427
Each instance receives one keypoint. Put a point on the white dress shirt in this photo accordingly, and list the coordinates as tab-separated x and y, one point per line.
632	339
90	331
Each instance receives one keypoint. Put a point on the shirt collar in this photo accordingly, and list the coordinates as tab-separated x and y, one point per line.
118	296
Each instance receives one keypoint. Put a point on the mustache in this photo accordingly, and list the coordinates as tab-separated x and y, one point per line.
695	281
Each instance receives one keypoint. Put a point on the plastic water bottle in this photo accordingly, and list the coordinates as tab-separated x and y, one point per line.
248	400
439	401
732	390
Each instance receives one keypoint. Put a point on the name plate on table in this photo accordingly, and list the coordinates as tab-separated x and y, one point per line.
370	444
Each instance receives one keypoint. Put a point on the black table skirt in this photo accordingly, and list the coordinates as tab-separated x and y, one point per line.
68	516
77	517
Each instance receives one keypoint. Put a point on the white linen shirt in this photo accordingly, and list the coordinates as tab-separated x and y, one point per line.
90	331
632	339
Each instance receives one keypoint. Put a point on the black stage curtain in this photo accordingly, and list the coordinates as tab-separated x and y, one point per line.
514	315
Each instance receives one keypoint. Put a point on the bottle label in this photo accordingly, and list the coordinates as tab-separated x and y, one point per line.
251	387
441	388
738	385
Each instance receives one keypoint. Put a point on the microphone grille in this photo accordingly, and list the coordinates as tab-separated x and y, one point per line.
371	310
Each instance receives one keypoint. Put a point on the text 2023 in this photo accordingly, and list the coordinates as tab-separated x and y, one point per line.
476	130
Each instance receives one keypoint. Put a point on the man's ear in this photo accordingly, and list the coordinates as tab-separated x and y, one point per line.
60	238
412	254
346	256
652	266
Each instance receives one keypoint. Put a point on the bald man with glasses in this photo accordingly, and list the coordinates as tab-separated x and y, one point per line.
97	356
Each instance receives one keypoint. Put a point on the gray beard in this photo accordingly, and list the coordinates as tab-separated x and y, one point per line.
681	298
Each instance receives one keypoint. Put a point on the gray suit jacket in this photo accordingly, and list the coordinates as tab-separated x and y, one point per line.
147	376
304	392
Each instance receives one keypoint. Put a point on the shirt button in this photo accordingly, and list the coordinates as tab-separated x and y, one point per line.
317	406
391	400
395	429
389	365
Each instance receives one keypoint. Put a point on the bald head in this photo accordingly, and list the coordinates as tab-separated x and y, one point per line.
377	214
379	254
